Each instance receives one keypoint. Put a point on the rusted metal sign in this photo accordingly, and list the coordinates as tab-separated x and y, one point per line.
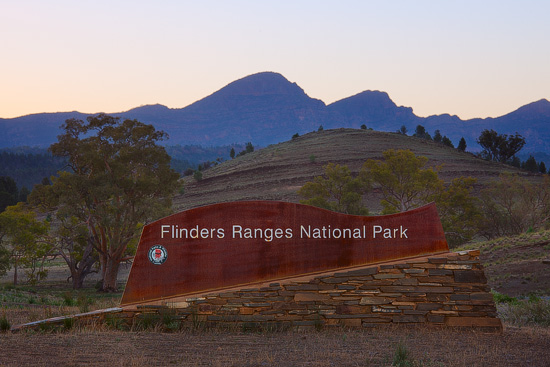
232	244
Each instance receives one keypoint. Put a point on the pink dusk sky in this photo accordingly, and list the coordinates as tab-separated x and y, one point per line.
469	58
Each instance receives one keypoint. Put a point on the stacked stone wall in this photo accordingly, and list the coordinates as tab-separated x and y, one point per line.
445	290
449	289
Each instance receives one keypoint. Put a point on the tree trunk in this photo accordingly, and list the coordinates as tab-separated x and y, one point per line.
15	272
103	260
111	275
85	267
77	279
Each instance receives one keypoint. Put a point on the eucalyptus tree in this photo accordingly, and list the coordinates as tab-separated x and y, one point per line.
118	179
337	189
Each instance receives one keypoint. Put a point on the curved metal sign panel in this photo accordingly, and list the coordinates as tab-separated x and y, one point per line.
232	244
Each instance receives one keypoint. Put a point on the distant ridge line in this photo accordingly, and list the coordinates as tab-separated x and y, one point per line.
265	108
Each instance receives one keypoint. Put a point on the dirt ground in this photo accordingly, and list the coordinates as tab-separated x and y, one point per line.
426	347
518	269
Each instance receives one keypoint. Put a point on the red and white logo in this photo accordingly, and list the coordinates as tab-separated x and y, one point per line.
157	254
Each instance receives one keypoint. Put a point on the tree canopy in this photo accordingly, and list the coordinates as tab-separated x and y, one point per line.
513	205
336	190
462	145
459	210
420	132
403	180
22	242
531	165
120	179
405	183
500	147
438	138
8	192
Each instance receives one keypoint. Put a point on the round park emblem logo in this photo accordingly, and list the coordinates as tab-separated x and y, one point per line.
157	254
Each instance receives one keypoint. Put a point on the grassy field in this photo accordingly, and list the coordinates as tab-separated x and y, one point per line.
278	171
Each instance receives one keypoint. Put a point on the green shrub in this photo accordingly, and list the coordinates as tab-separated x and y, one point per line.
401	357
148	320
170	320
68	299
318	323
46	327
115	322
195	319
4	324
68	323
83	303
503	298
197	175
534	298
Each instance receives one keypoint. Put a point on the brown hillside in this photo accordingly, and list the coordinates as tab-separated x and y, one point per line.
278	171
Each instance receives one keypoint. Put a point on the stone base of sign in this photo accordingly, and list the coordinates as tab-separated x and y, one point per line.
448	289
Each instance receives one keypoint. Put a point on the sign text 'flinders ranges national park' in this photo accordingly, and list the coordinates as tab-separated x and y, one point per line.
228	245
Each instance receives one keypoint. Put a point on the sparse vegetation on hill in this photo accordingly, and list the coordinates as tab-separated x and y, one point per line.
278	171
516	265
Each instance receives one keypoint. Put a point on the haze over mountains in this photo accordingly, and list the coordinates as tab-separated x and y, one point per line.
266	108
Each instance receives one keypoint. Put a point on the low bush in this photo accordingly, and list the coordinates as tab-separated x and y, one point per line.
401	357
503	298
4	324
528	312
68	323
148	320
84	303
68	299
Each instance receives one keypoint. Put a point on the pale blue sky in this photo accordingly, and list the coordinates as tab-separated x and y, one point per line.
470	58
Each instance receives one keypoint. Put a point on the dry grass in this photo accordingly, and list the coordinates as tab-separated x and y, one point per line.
525	312
341	347
103	345
516	266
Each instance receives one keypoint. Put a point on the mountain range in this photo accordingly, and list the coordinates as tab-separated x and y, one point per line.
265	108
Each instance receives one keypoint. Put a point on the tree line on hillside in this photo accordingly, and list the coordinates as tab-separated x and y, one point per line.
28	169
420	132
509	205
10	194
186	159
197	173
496	147
29	166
